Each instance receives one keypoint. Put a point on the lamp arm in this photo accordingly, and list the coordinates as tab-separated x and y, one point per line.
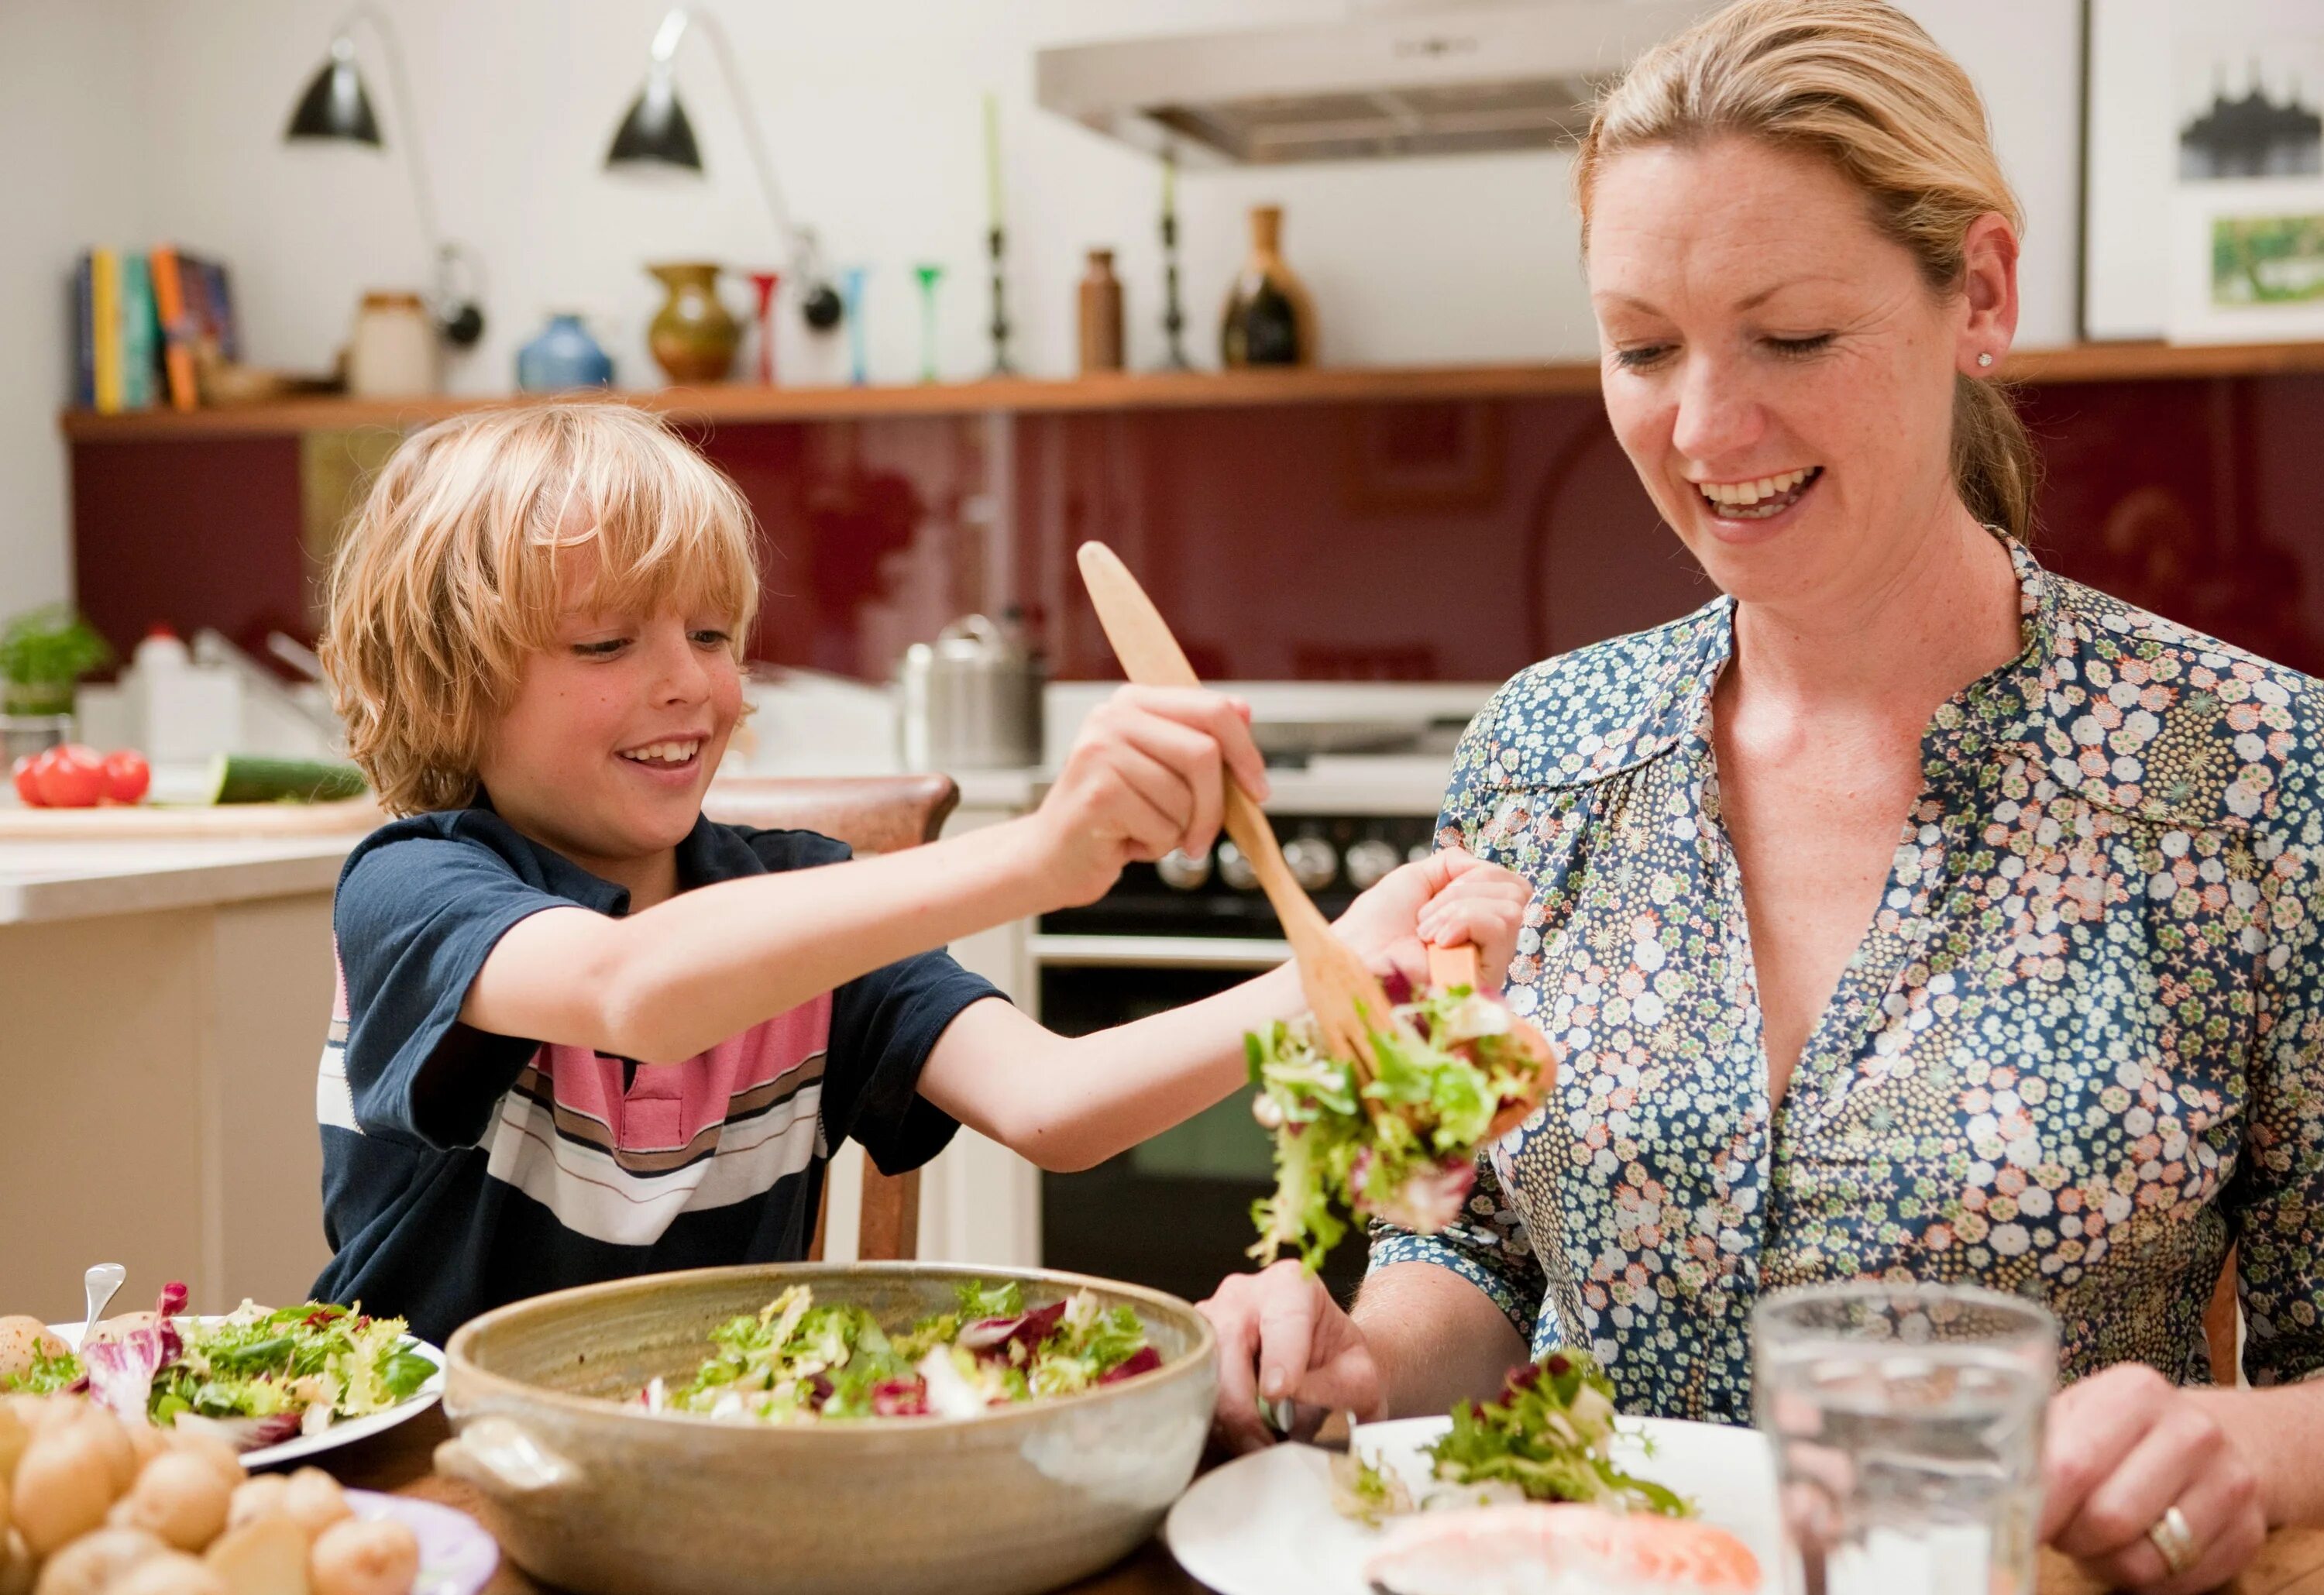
723	47
423	198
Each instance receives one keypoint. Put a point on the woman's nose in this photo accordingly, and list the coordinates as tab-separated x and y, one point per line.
1719	416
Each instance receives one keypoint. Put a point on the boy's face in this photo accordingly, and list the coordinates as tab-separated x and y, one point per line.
613	733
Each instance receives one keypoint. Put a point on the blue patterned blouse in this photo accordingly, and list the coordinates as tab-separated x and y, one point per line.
2080	1052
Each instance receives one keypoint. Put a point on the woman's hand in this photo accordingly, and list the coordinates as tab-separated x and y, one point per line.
1281	1334
2125	1447
1445	900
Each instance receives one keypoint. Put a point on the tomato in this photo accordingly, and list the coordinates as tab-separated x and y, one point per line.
70	777
126	775
28	785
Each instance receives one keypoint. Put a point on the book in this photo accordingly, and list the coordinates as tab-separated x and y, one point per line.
178	330
84	323
105	319
140	333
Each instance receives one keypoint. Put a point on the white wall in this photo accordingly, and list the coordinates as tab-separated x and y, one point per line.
72	120
872	109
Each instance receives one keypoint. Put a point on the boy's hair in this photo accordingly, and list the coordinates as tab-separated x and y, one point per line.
449	575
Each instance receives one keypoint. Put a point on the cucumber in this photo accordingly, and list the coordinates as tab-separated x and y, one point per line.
252	778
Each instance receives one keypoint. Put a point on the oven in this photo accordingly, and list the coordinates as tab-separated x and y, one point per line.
1175	1213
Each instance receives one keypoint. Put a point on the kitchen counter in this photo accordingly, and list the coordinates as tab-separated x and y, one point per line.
47	882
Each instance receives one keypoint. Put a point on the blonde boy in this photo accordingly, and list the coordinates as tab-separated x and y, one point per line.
586	1033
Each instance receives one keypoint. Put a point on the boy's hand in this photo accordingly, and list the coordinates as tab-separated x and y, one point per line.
1448	898
1146	774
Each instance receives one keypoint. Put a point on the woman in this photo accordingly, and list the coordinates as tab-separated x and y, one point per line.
1908	911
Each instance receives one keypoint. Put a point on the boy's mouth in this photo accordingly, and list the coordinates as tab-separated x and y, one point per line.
664	755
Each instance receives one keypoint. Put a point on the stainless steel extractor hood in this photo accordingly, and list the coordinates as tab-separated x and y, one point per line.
1417	79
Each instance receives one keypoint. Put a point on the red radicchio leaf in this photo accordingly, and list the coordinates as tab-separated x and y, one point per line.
1427	1202
1398	985
991	1337
818	1391
1145	1359
121	1370
900	1398
172	1300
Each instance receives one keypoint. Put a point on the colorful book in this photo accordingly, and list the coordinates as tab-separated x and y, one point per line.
84	324
105	319
140	333
178	330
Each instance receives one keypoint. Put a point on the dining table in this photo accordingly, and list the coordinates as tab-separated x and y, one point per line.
401	1460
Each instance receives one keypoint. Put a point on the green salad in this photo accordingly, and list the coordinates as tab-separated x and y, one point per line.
1453	1069
263	1374
1548	1438
796	1359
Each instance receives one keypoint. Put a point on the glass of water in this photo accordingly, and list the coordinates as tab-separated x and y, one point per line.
1907	1423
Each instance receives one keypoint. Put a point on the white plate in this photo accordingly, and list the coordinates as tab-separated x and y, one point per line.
1263	1524
301	1446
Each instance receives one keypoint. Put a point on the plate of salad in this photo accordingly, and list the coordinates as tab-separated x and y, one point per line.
278	1383
1296	1520
800	1361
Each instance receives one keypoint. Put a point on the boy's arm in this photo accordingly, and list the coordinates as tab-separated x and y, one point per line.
672	980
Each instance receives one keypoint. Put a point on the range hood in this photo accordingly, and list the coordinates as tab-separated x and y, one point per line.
1414	80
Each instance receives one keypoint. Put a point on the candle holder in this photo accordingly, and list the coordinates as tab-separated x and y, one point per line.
1173	316
851	290
929	275
765	283
996	246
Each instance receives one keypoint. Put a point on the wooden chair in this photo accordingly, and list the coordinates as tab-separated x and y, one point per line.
2220	1326
871	813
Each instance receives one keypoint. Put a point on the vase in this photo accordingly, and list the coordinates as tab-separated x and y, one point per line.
393	352
763	285
1269	319
693	338
1100	314
563	355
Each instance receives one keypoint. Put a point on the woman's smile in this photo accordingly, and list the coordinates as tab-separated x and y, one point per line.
1753	508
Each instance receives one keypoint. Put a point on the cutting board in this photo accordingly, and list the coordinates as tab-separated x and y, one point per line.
145	821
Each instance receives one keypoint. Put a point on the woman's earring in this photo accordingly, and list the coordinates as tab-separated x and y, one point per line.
1984	358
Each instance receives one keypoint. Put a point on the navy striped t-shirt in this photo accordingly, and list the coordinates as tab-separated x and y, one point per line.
463	1169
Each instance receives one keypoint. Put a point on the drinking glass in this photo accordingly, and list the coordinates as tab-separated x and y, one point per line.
1906	1425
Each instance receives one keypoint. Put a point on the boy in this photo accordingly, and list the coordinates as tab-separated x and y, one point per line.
585	1033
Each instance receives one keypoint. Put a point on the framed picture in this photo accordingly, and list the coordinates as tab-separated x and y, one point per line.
1442	454
2194	110
2249	265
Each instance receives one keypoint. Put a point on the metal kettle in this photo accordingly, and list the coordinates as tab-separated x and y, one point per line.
972	699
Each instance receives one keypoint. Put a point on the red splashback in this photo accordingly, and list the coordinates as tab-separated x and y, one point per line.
1441	540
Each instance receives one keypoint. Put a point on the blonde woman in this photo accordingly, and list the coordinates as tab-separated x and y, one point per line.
1907	911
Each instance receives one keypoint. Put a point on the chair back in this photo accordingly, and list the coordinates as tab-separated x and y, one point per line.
871	813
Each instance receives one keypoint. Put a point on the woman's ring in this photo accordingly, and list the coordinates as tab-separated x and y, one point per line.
2176	1541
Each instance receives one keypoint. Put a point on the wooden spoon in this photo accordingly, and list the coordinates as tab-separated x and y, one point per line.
1341	992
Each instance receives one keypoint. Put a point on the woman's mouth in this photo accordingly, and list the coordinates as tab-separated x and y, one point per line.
1758	498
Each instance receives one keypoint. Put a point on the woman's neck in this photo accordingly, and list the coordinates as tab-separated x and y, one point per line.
1905	637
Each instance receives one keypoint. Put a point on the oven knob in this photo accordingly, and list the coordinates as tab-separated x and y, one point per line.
1234	869
1370	861
1314	862
1182	872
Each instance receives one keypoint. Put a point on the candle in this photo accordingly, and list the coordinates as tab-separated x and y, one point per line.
993	159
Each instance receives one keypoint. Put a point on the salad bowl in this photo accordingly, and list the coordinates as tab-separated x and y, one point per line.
589	1490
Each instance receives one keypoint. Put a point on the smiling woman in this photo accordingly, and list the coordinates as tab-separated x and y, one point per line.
1908	912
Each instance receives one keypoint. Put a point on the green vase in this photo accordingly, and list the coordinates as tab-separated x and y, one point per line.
693	338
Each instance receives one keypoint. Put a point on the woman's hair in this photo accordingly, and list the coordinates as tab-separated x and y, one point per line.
450	573
1858	84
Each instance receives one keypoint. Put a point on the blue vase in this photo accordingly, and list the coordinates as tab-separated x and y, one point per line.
564	356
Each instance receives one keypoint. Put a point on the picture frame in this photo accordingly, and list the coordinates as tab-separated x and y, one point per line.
2248	262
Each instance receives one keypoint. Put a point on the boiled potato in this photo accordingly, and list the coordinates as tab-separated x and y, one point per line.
173	1572
17	1565
179	1498
353	1557
63	1487
259	1496
112	1329
91	1563
314	1502
14	1435
216	1453
113	1435
22	1338
39	1413
268	1557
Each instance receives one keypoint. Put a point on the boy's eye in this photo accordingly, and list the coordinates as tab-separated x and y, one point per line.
604	649
711	637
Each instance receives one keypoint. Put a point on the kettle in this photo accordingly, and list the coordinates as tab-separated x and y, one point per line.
972	699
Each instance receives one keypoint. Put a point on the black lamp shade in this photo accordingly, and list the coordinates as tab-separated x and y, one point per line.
334	106
656	130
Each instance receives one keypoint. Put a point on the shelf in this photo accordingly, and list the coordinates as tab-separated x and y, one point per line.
746	403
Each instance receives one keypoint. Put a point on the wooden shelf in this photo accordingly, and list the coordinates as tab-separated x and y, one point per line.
745	403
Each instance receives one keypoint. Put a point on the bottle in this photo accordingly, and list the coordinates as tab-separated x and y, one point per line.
394	352
1100	314
1269	318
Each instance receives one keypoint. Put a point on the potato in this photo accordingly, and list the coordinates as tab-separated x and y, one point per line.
145	1441
63	1487
41	1413
314	1502
14	1435
172	1572
113	1328
353	1557
113	1435
268	1557
256	1497
179	1498
22	1338
216	1453
17	1565
91	1562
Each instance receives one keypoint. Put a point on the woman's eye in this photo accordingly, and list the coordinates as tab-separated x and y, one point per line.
1640	356
1796	348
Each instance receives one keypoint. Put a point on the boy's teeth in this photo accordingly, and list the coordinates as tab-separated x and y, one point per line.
663	752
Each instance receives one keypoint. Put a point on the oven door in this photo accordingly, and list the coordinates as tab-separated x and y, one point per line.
1172	1212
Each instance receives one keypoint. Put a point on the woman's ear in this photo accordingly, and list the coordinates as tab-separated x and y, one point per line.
1989	285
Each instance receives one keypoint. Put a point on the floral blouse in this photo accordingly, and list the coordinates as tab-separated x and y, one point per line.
2078	1054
